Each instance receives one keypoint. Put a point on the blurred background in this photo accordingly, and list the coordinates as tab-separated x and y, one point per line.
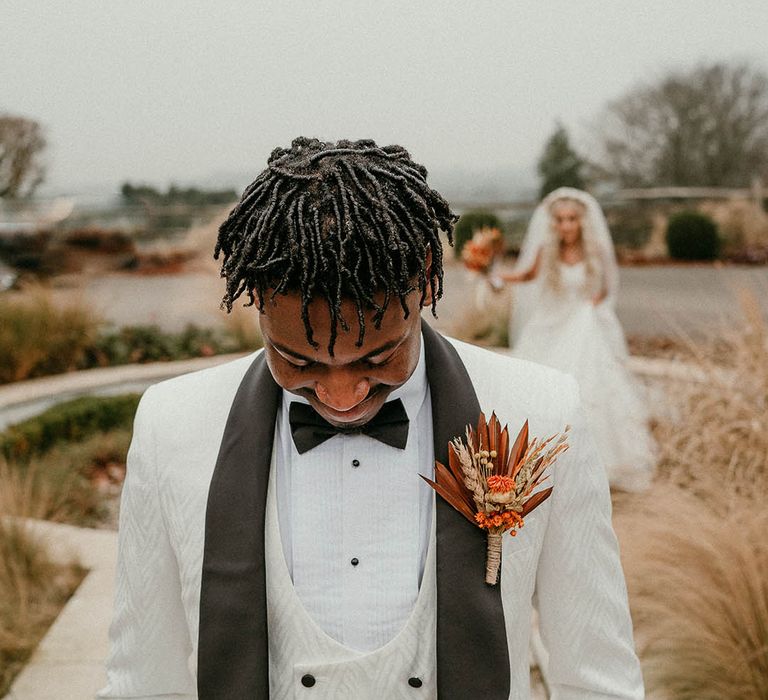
127	132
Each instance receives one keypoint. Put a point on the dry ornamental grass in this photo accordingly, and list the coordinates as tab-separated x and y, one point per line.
37	338
694	547
32	587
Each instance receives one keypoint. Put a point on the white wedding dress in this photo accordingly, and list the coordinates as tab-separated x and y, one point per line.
565	330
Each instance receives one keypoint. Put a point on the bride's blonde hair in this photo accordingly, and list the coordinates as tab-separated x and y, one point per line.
551	250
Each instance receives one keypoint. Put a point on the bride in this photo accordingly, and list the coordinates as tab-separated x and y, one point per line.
565	317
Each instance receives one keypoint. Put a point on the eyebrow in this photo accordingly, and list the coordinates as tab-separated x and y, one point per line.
382	348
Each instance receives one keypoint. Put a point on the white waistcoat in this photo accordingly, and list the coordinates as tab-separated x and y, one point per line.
304	662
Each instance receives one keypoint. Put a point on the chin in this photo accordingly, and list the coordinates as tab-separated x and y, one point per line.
355	417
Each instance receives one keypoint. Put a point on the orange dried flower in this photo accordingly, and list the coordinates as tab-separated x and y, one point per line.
503	520
501	484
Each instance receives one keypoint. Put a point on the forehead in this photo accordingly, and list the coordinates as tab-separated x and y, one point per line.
283	323
566	207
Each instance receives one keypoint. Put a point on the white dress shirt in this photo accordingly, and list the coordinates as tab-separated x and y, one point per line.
355	519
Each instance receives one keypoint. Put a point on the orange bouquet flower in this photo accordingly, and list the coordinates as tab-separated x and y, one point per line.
494	486
482	249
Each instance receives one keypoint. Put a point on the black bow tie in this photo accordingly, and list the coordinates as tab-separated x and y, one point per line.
309	429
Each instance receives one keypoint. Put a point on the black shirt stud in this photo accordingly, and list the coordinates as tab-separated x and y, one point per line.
415	682
307	680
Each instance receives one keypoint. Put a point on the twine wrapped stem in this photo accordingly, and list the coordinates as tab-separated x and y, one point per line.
493	561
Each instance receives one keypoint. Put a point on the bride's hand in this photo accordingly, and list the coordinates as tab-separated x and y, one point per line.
496	283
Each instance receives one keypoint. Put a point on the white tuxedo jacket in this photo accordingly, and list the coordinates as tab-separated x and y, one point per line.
565	560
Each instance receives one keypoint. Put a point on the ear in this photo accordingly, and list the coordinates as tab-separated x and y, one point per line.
428	272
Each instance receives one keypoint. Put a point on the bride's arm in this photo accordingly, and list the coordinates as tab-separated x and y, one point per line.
525	275
610	276
600	297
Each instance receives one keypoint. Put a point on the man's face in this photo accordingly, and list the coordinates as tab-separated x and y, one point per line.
349	388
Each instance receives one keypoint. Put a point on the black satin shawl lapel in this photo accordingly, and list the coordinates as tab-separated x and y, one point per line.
233	652
472	655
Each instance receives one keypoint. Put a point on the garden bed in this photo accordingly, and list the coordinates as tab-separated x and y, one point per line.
40	339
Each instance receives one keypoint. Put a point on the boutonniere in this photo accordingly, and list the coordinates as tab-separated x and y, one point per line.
494	486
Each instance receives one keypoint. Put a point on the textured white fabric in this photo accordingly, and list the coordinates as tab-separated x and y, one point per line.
298	646
566	554
331	512
568	332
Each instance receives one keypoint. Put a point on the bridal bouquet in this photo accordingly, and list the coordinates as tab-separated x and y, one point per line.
480	252
493	485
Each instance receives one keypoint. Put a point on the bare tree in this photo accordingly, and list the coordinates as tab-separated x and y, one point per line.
703	127
21	146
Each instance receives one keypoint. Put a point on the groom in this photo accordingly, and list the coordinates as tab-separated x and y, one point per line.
276	540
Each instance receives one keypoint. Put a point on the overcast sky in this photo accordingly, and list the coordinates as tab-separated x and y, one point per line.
162	91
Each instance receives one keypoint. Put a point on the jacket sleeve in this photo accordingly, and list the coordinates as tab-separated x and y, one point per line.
149	640
580	590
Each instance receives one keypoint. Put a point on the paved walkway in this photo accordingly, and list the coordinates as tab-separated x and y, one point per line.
21	400
652	300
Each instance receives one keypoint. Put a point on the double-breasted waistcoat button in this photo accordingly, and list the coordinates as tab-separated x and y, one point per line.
307	680
415	682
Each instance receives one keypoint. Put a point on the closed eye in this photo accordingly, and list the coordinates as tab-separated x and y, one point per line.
300	364
294	361
378	361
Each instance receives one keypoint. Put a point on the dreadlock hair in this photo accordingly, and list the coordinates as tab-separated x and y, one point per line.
345	220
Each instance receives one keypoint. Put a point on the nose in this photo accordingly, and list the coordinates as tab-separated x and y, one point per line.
342	392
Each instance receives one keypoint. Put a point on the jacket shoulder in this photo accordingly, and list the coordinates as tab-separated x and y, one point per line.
505	383
197	394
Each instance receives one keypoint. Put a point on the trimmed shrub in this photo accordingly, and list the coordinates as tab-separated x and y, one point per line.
692	236
68	422
138	344
469	222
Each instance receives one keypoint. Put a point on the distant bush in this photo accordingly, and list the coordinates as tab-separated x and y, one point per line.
100	240
25	250
146	194
692	236
469	222
67	422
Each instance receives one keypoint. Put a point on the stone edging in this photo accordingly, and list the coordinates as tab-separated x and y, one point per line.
75	383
